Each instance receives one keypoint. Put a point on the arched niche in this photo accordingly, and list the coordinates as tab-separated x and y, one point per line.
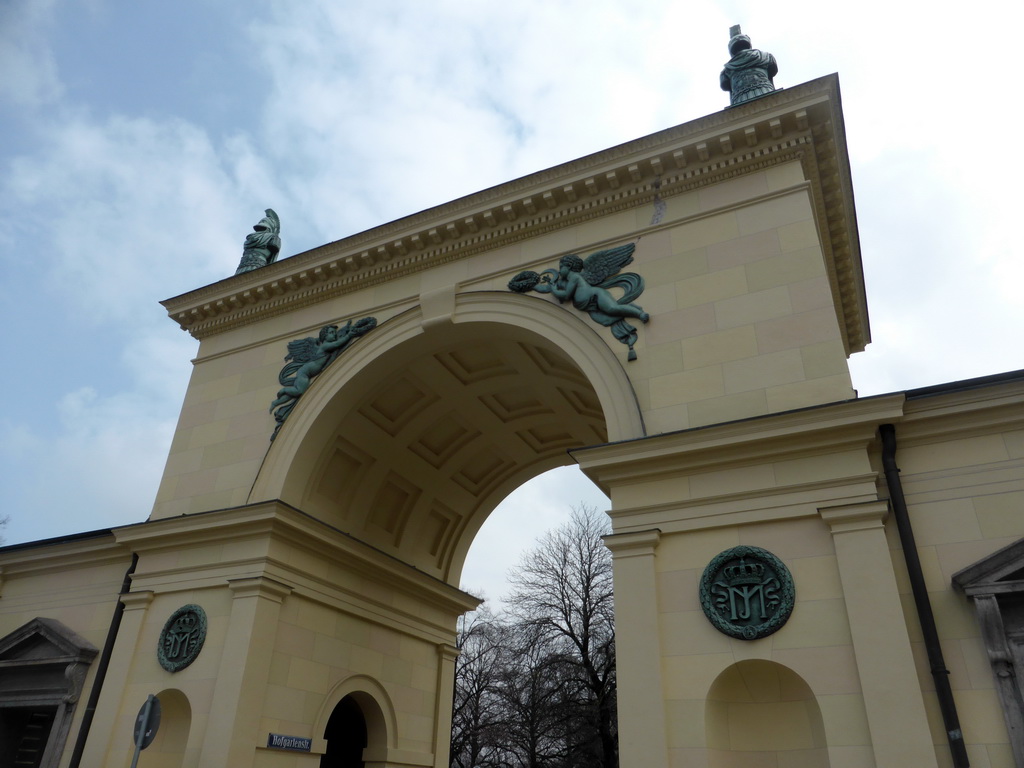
413	436
758	713
170	747
357	709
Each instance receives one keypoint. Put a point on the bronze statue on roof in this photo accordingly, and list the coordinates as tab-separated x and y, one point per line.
748	74
262	245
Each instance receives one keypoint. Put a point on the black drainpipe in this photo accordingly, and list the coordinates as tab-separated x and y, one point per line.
101	668
924	607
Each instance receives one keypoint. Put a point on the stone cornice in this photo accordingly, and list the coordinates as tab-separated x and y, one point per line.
633	544
271	521
803	123
992	408
137	601
57	556
983	576
259	586
803	432
764	504
848	518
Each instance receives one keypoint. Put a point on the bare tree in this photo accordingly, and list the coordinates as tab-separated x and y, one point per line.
476	712
563	590
532	694
535	686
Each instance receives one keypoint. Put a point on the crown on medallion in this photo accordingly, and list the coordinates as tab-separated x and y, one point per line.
743	573
187	621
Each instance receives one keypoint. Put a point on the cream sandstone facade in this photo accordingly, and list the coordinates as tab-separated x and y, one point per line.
328	560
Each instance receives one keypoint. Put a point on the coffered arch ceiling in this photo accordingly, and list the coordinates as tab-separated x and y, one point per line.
412	453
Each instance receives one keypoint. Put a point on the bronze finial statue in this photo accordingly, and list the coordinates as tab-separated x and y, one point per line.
748	74
262	246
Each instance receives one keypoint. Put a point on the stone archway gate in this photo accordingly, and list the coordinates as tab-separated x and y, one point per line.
330	557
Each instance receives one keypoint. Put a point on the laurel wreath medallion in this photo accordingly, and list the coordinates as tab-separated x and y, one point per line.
747	592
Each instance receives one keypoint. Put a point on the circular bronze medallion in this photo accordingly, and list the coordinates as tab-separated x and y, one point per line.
747	592
182	638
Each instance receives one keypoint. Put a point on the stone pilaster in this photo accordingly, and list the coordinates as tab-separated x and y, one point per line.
232	733
885	663
104	724
642	735
445	697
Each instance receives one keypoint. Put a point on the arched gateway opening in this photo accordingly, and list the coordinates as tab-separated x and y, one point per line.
410	441
402	449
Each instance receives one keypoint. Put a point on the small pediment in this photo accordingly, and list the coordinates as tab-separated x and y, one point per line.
1002	572
44	640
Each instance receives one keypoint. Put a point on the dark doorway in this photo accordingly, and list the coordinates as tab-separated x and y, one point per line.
346	736
23	735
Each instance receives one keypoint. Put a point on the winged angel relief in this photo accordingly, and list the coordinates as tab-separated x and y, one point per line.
588	284
307	358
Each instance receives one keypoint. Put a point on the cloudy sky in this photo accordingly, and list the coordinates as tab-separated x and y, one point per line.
141	141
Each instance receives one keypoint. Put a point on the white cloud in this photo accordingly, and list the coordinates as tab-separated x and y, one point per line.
100	470
373	110
133	208
30	78
381	110
119	213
